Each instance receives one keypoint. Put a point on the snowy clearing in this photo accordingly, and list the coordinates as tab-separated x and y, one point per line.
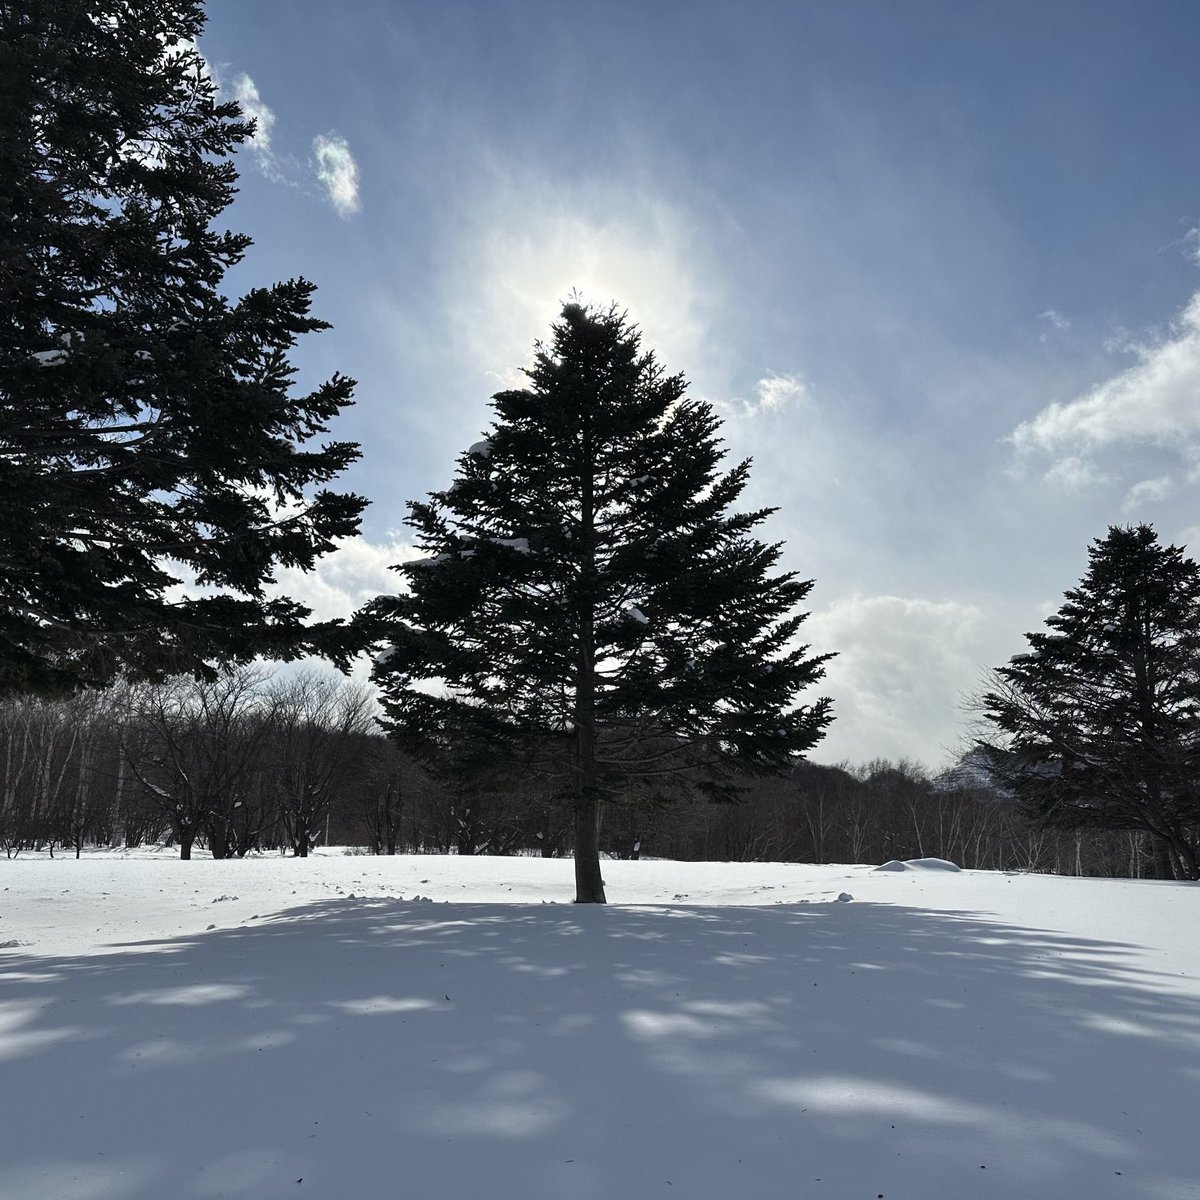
280	1027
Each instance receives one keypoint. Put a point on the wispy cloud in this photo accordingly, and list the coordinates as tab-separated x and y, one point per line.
245	92
1191	242
337	171
1148	491
1152	403
771	394
1075	474
332	161
1052	322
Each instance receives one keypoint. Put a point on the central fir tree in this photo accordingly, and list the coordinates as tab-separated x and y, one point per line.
591	609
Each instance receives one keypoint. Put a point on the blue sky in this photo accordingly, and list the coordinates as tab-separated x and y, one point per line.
938	265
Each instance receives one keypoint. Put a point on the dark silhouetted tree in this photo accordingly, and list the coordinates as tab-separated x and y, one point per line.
1099	721
592	607
149	432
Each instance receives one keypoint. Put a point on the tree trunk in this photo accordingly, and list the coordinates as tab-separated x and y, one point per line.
1161	850
1186	861
185	844
589	886
388	811
218	839
116	833
466	834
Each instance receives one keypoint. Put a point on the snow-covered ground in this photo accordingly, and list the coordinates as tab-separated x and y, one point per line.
310	1028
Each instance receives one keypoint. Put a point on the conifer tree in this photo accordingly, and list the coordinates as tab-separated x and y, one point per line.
1099	722
148	428
590	606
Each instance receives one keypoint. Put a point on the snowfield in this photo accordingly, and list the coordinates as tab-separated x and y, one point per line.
348	1027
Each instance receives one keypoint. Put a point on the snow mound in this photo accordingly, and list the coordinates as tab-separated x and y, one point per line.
919	864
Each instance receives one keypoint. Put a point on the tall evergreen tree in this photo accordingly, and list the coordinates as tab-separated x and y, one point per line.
590	605
148	428
1099	721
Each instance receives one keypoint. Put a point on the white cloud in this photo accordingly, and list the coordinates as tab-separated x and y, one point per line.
1152	403
339	584
337	171
176	48
343	581
1148	491
1053	322
771	394
245	92
332	161
778	390
1191	242
903	668
1075	474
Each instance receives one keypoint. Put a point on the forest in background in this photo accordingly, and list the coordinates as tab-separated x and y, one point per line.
251	763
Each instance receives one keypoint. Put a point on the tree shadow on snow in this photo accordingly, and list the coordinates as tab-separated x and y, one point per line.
373	1048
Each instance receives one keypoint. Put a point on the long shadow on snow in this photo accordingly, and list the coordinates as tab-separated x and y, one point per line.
385	1048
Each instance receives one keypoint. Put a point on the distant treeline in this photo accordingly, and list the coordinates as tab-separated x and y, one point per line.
254	763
